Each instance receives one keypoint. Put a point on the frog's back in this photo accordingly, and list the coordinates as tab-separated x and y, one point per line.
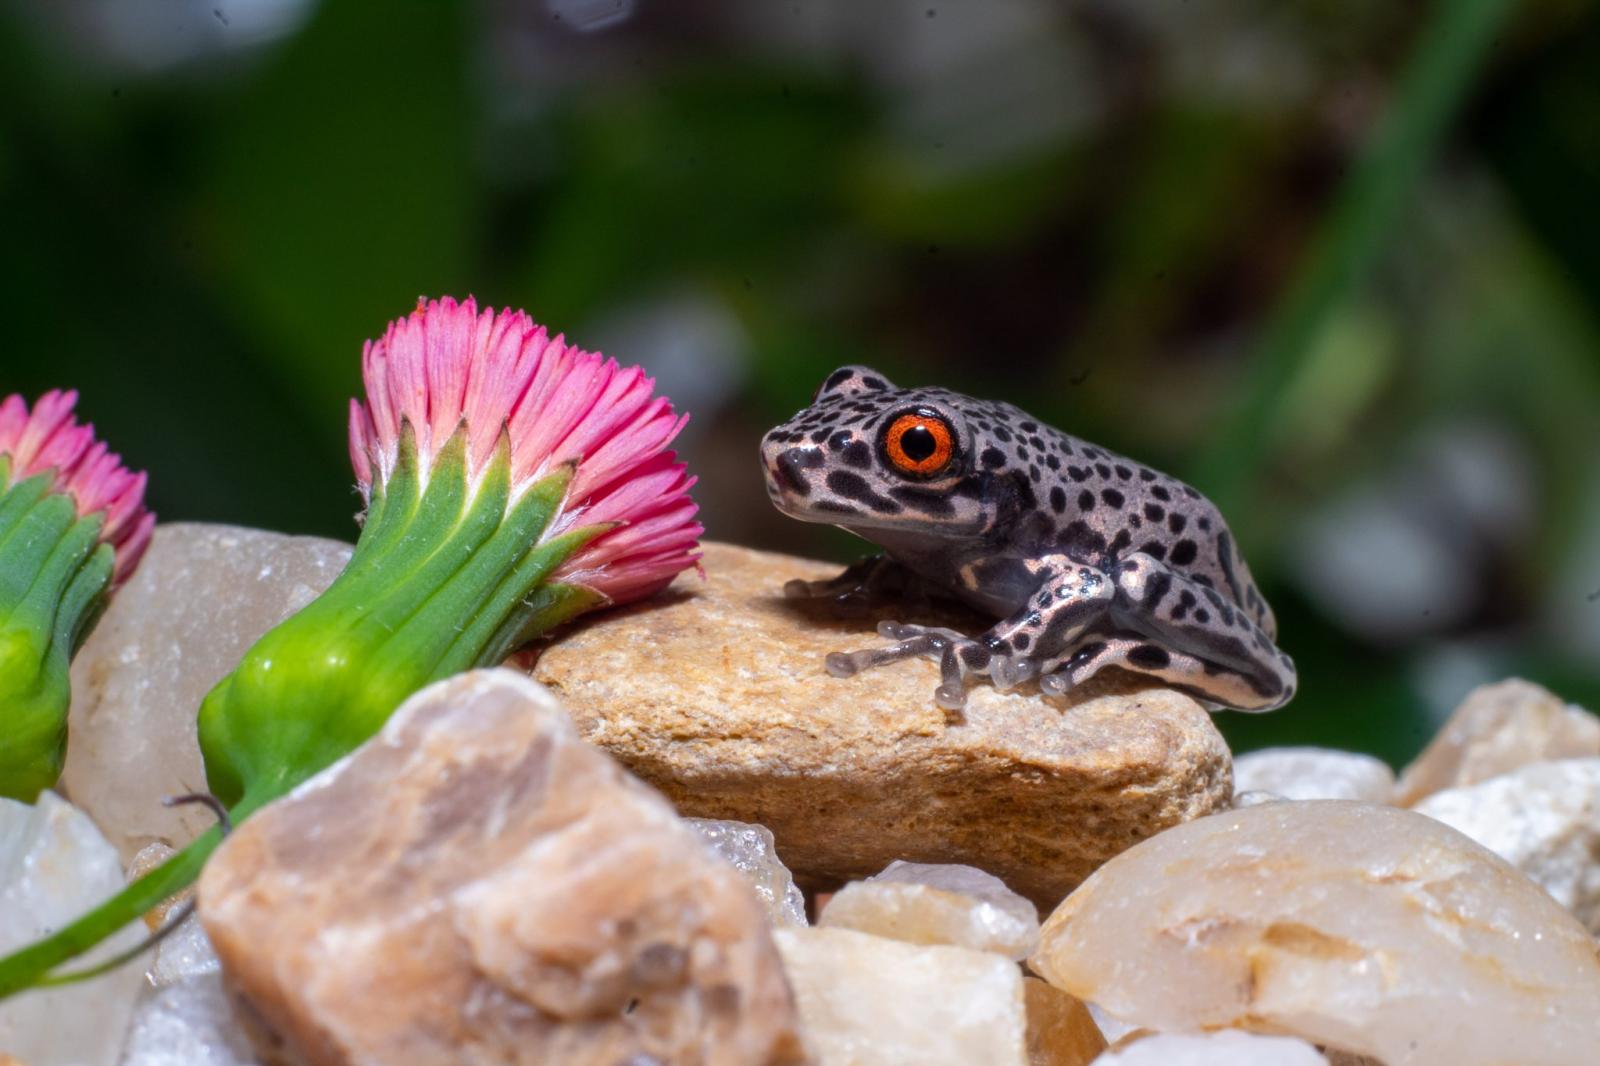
1103	507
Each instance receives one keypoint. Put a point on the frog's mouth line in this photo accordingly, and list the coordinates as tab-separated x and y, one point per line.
796	502
790	503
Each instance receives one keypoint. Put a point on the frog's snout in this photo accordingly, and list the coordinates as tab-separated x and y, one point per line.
786	468
790	466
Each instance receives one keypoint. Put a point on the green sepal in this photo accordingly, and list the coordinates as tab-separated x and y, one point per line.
442	568
85	599
32	530
54	574
446	576
548	606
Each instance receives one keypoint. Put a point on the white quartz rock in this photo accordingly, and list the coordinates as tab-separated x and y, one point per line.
929	903
200	598
869	1001
1497	729
1368	928
1313	773
1256	798
184	952
965	880
1227	1047
1113	1027
1544	819
189	1022
54	865
753	852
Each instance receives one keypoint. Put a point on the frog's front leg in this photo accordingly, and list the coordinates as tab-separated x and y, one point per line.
911	642
1070	600
864	582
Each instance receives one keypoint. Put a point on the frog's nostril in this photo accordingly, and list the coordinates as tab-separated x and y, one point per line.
790	466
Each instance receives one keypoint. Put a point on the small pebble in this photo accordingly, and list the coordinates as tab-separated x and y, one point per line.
1313	773
926	903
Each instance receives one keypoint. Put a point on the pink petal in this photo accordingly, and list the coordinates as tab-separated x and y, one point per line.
360	440
48	440
132	548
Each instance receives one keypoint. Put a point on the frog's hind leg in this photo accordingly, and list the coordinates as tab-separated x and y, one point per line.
1196	639
1137	654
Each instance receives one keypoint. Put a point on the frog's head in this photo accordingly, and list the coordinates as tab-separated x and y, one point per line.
874	458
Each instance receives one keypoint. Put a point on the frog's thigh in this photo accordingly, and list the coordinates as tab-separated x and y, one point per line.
1070	602
1140	655
1185	618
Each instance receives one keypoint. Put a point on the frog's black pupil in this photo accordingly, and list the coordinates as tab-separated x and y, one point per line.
918	443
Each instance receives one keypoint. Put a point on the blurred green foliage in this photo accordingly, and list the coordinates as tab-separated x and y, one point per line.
1283	250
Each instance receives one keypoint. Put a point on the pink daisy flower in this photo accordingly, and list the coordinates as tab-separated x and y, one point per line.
467	413
49	440
448	364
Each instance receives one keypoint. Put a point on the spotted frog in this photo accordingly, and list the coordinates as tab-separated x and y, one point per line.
1088	559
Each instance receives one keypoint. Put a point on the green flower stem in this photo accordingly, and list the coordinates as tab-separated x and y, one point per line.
54	573
29	967
1363	222
444	578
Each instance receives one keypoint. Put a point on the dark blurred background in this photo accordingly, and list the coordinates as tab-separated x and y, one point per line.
1336	263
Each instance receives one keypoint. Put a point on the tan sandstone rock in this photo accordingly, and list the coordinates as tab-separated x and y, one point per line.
477	885
1336	1057
716	694
1228	1047
1061	1032
1497	729
200	598
1357	926
869	1001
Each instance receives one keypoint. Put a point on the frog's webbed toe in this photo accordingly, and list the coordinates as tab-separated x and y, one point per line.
1009	671
1057	684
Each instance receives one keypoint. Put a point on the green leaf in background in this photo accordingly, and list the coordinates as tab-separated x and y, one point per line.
340	187
1454	42
714	174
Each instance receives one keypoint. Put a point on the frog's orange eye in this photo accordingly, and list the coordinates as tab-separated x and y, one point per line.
919	443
